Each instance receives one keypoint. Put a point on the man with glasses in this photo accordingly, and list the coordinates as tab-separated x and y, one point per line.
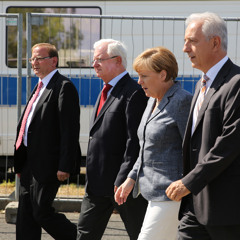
47	148
113	144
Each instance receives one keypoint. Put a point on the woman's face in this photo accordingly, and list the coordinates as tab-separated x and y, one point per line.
152	83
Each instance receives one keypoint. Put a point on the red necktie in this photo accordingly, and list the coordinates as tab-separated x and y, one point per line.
25	117
103	98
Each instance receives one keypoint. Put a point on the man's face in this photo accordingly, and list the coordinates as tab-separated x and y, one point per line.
198	48
104	66
42	67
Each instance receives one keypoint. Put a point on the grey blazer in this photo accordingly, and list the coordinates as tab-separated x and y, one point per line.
160	136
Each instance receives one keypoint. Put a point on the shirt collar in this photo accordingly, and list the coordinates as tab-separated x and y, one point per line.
212	72
115	80
47	78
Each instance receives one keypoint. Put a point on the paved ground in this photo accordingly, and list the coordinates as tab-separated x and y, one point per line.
115	229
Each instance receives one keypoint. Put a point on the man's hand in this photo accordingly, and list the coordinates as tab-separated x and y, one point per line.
123	191
62	176
176	191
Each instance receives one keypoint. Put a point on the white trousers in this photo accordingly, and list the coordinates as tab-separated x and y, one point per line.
161	221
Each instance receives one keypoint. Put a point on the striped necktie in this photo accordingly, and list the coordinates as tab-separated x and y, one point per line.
201	95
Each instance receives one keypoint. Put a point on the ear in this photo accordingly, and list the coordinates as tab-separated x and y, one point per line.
216	42
163	75
119	60
54	61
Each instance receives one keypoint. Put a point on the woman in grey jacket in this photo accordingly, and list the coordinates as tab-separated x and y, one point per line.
160	137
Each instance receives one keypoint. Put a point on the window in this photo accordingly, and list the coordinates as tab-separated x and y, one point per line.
73	37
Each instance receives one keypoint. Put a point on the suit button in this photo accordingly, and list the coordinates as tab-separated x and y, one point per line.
90	138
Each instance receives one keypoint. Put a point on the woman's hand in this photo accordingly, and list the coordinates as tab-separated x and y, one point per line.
123	191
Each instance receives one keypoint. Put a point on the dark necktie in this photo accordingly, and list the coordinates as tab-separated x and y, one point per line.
103	98
25	117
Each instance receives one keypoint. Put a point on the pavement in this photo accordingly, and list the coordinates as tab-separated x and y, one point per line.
115	229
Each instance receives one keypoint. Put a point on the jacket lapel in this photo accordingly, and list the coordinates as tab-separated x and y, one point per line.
45	94
95	111
166	99
106	105
114	93
217	83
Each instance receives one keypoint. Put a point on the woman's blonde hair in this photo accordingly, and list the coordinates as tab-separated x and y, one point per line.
157	59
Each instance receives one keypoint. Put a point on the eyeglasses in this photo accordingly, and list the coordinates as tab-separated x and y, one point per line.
31	60
99	60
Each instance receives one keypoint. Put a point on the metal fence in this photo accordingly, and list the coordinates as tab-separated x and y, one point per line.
16	20
138	33
67	32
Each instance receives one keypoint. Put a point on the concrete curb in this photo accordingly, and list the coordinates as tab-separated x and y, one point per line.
60	205
67	204
4	202
11	212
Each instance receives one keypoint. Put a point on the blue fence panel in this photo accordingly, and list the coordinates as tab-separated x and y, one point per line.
189	83
88	88
96	86
8	90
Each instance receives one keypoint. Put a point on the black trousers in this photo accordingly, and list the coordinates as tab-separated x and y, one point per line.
35	211
190	228
96	211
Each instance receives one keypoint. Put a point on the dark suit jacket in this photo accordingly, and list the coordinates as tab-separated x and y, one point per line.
212	154
53	134
113	143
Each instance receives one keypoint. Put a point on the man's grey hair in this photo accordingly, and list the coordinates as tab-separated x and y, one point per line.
115	48
213	25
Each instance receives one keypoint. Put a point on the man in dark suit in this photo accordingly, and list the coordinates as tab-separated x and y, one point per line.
210	206
113	145
47	148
